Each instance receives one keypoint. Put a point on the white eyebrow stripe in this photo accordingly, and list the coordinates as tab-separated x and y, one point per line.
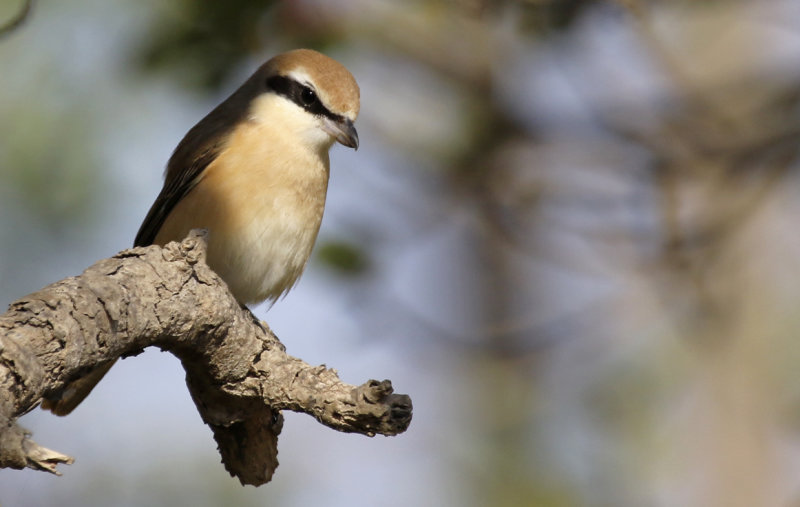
302	77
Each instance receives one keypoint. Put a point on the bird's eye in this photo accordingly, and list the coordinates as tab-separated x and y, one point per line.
308	96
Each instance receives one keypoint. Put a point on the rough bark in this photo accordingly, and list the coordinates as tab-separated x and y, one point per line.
238	373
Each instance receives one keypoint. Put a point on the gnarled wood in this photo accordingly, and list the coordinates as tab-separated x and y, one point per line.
238	373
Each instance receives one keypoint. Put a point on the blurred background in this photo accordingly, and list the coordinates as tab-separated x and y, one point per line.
570	234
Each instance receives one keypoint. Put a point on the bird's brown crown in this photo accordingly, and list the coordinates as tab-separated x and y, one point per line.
331	80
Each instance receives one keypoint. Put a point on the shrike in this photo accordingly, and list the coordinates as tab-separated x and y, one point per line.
254	173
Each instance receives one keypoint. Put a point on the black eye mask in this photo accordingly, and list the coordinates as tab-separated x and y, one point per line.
302	95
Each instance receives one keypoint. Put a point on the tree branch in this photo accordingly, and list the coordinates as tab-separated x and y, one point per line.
16	21
238	373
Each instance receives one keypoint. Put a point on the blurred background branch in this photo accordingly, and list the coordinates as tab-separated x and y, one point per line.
14	22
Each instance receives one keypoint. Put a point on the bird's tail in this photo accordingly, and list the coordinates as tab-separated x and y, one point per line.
76	391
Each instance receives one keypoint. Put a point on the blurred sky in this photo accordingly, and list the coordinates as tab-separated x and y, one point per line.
66	81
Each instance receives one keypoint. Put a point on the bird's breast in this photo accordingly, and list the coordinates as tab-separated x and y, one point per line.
262	202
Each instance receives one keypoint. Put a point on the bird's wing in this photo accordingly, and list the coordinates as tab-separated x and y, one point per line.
177	184
199	147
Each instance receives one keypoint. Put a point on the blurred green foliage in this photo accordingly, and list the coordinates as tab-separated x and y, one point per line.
201	42
47	164
343	257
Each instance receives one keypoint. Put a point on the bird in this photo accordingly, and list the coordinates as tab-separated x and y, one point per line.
253	173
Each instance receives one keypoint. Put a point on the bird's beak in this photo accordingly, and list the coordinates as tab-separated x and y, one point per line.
342	130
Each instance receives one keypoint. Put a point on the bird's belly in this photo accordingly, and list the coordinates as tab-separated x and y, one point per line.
258	242
263	259
262	215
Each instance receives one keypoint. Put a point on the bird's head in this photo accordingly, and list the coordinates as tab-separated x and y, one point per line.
310	94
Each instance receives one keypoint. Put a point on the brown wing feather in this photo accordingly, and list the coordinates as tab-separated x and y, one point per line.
201	145
173	191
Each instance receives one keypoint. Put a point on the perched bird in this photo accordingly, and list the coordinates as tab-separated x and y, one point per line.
254	173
